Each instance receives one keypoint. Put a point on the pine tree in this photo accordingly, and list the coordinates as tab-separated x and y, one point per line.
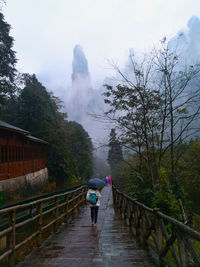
38	111
81	148
7	61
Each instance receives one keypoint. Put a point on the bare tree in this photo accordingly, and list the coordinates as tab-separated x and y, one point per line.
178	85
155	106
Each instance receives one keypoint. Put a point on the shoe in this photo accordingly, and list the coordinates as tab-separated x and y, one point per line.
92	223
95	224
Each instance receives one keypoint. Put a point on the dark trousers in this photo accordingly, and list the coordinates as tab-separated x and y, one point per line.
94	213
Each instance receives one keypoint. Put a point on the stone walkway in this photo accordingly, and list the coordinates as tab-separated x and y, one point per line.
78	244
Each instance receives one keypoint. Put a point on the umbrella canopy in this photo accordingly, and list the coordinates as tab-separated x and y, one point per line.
95	183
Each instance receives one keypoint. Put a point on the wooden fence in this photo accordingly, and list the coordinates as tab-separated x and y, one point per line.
170	242
40	215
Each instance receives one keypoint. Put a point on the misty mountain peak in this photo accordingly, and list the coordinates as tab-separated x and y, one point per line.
194	23
79	64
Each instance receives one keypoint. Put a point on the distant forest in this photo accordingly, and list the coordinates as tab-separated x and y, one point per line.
26	103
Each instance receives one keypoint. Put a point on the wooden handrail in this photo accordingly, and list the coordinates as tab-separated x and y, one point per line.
64	204
163	235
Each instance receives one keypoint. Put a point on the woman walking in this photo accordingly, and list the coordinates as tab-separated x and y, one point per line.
93	196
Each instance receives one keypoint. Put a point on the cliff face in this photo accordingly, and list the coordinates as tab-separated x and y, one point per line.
80	94
79	64
81	99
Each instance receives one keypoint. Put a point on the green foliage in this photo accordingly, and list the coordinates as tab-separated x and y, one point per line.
35	102
182	111
7	62
138	186
163	197
26	103
60	162
189	174
38	111
134	183
81	148
154	108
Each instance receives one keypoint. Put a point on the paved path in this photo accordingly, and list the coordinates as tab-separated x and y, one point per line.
78	244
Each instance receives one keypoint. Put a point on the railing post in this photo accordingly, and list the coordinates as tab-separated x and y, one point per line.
159	234
40	224
11	242
143	226
136	215
154	232
66	208
182	249
121	206
114	195
85	194
128	212
31	210
74	203
120	203
56	214
134	218
131	213
117	200
124	208
79	198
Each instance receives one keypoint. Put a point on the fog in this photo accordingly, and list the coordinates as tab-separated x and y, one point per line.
82	101
188	40
46	33
81	98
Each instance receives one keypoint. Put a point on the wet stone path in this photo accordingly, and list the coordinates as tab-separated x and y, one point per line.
78	244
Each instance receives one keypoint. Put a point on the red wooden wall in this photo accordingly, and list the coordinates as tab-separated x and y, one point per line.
19	155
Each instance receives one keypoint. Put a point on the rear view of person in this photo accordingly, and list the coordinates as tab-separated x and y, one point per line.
93	196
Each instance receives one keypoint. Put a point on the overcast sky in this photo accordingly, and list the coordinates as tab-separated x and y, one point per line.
45	32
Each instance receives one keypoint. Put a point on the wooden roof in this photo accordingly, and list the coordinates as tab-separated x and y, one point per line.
11	128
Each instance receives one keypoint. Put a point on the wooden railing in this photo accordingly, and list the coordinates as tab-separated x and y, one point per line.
37	215
170	242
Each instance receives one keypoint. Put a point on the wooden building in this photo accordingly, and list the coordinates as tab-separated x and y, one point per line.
20	153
